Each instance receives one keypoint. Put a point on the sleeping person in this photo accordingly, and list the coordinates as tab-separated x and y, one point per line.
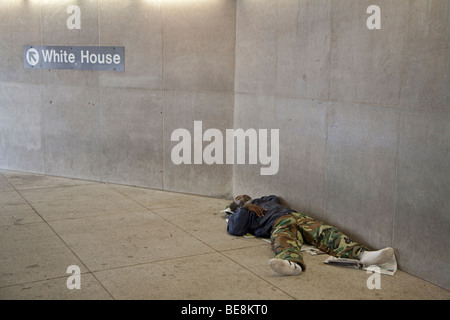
266	217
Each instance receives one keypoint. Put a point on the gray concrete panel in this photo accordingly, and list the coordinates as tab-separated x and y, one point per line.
181	109
422	215
72	132
54	23
366	64
199	45
22	142
302	139
361	168
256	47
19	25
136	25
131	134
426	82
303	56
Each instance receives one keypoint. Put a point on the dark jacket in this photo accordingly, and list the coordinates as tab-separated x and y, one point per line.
244	221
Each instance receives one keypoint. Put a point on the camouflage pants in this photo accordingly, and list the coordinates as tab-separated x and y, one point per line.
292	230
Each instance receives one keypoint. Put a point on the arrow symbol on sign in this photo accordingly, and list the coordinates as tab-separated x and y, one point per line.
32	57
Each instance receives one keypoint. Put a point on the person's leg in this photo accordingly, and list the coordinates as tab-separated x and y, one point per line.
332	241
286	242
327	238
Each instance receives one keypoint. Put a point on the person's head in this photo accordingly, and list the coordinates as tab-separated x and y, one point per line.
239	202
242	199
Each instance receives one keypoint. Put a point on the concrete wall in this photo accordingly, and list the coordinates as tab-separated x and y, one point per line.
116	126
364	118
363	115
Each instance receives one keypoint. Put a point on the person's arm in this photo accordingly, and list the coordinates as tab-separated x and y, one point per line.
239	222
255	208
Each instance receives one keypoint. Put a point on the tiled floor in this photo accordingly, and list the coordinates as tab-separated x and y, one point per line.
135	243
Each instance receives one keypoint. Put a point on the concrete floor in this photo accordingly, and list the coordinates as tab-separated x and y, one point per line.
135	243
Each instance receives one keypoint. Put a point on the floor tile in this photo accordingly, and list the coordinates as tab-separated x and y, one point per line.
209	276
33	252
206	223
4	184
56	289
117	240
24	181
156	199
78	201
14	210
251	257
